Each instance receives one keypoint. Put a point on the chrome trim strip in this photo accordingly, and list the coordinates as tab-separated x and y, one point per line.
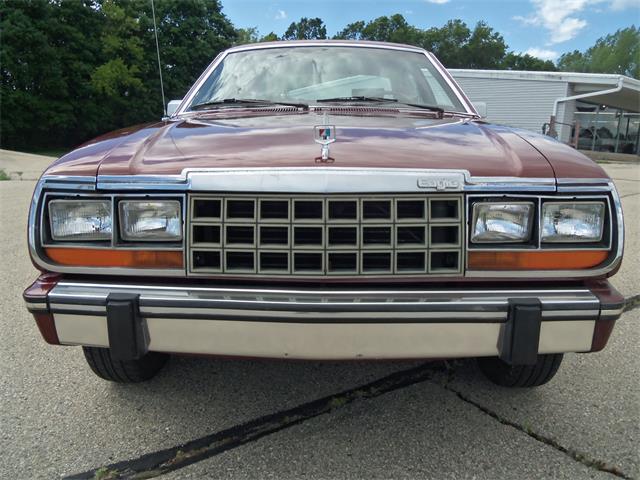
305	305
582	181
612	312
323	180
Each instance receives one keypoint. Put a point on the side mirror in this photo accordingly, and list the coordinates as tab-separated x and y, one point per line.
481	108
172	106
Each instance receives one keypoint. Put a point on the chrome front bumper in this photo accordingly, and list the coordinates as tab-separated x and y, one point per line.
310	323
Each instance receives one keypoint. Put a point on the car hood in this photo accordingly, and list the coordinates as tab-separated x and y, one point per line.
287	140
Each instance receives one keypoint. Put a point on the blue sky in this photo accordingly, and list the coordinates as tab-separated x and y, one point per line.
543	28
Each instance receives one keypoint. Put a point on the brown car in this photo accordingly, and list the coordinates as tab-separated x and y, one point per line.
326	200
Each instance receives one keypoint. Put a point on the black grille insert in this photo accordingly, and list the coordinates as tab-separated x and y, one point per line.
307	262
444	261
376	209
343	210
240	261
239	235
240	208
376	235
274	209
343	262
410	262
307	236
444	209
444	235
205	259
380	262
410	209
411	235
274	261
206	208
274	236
343	236
308	209
206	234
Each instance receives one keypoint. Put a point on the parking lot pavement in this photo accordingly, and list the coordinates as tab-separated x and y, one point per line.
57	418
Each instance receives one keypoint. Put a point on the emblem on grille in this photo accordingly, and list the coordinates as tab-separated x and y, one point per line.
324	135
439	183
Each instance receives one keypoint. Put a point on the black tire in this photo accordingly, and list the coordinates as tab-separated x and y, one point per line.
130	371
506	375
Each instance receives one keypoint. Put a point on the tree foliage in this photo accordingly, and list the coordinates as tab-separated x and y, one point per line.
306	29
615	53
74	69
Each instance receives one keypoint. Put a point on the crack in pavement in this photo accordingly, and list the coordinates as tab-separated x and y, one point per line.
163	461
158	463
631	303
579	457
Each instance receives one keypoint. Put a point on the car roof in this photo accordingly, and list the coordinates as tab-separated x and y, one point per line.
337	43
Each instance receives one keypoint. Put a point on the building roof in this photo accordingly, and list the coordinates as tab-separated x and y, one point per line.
618	91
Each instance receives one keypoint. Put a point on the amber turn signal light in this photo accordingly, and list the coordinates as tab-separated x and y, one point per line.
538	260
94	257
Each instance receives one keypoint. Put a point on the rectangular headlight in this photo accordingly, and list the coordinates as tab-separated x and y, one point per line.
572	221
144	220
80	220
502	222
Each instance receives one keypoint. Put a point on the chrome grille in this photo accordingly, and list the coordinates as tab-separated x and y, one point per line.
335	235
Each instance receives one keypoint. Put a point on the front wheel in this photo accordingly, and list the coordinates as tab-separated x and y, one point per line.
129	371
506	375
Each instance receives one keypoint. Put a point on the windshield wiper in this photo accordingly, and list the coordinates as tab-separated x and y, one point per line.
360	98
245	101
357	98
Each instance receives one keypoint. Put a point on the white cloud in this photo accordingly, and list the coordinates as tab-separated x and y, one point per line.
542	53
562	17
623	4
559	17
439	2
280	15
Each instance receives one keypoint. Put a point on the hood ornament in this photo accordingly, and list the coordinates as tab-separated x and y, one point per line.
324	135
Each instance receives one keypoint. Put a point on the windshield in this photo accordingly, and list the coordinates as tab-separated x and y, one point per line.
309	74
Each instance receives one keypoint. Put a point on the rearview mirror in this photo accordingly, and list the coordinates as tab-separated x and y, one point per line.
172	106
481	108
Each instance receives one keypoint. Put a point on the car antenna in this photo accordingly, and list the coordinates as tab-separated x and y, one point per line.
155	32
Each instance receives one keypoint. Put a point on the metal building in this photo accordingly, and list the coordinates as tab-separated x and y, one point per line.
592	111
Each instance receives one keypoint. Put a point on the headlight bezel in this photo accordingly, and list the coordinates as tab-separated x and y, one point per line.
607	241
115	241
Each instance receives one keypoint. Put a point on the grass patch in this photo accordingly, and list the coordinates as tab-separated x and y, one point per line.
3	175
49	152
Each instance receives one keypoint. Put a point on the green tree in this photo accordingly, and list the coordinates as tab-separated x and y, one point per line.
269	37
516	61
191	34
352	31
485	48
393	29
306	29
48	53
247	35
615	53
